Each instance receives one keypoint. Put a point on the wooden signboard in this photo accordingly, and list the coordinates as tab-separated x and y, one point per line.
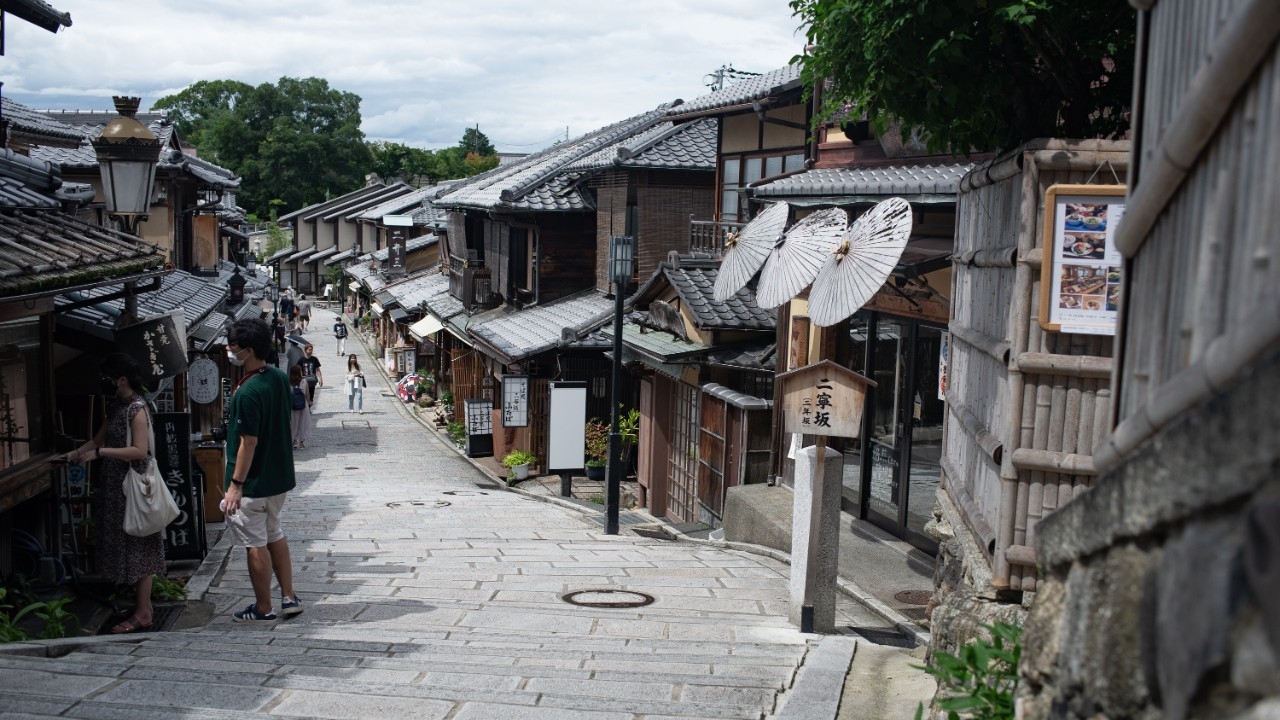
184	538
823	399
515	400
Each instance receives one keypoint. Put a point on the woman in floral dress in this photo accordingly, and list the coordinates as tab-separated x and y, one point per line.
123	558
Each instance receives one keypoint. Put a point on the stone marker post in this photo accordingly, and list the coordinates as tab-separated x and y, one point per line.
815	538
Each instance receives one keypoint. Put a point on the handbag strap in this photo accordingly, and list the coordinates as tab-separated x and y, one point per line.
151	433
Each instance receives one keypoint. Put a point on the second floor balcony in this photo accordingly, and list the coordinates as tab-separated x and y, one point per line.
707	237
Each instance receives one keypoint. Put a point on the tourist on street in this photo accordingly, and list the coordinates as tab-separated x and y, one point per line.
304	311
340	334
278	331
300	401
355	385
286	306
125	559
259	468
310	365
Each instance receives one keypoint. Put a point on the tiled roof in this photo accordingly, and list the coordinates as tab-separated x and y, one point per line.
402	204
171	158
749	90
360	272
413	291
430	215
694	283
536	183
412	245
331	202
45	250
444	305
518	334
902	180
39	13
352	209
196	297
32	123
691	146
340	256
657	344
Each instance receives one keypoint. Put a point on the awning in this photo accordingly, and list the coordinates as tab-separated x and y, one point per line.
425	328
300	254
340	256
322	254
279	255
354	286
376	308
399	315
228	230
386	297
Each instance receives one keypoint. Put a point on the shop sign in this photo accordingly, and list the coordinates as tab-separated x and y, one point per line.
515	400
824	398
159	345
202	381
1081	276
173	458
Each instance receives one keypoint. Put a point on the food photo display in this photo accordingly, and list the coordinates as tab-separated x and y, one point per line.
1081	285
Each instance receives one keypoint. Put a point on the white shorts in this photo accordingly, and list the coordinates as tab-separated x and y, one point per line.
257	522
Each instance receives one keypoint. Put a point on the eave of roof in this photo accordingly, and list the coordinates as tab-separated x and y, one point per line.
742	96
331	202
40	251
913	182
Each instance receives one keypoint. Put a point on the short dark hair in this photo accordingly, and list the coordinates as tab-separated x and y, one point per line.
251	333
118	364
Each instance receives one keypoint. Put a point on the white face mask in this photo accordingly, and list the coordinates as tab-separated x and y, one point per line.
234	358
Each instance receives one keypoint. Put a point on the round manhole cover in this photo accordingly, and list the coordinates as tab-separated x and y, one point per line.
914	597
464	492
607	598
425	504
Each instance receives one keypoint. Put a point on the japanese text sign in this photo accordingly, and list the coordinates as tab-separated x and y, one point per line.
823	399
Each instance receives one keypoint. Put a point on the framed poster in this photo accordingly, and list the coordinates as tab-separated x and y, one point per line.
1081	277
515	400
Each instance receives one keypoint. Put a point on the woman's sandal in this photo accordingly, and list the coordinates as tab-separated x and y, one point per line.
130	625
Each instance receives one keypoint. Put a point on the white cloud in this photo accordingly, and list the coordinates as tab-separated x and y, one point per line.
425	70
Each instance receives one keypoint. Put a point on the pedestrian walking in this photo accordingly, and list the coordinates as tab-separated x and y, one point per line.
259	469
286	306
122	441
340	334
355	385
278	332
310	365
304	311
301	404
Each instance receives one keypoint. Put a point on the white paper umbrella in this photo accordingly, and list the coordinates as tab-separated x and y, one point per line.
857	268
796	259
746	250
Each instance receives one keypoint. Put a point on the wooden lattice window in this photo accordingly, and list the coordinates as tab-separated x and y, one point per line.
682	464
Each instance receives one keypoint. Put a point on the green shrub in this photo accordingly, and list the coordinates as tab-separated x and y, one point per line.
518	457
457	432
980	683
165	590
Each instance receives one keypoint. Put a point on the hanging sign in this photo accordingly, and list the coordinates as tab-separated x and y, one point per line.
159	344
202	381
515	400
823	399
183	537
1081	276
397	243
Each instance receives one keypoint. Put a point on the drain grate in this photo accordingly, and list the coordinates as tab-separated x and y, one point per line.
428	504
162	618
913	597
892	638
464	492
607	598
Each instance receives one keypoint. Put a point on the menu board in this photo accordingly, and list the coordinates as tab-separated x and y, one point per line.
515	400
1081	276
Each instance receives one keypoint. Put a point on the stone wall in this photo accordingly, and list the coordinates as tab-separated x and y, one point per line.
1162	592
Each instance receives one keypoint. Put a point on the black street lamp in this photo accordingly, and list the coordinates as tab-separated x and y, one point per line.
622	251
237	283
127	153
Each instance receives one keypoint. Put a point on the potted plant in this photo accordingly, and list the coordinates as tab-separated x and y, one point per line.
597	448
518	462
628	433
446	400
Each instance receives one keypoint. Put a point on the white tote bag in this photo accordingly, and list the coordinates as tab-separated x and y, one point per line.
148	504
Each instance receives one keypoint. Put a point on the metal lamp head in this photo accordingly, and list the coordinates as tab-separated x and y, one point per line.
622	252
127	152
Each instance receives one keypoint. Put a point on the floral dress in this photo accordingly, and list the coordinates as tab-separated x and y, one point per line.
123	558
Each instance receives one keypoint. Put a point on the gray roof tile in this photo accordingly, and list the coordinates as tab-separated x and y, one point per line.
32	122
417	289
403	204
749	90
196	297
519	334
695	283
171	158
691	146
902	180
44	250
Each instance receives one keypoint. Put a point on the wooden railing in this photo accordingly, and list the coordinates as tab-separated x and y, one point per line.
472	286
706	237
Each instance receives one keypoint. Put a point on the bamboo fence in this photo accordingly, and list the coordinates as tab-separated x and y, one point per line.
1026	407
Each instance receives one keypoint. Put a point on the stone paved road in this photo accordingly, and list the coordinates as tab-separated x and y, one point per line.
430	594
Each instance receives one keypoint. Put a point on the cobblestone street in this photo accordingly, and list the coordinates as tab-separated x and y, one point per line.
432	593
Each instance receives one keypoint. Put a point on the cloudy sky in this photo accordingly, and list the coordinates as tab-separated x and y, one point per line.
424	70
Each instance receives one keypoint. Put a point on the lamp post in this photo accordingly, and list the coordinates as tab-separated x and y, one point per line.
127	153
237	283
622	251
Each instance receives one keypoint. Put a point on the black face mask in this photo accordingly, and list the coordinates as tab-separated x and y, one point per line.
108	386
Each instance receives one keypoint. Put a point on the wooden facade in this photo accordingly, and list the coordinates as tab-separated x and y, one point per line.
1026	408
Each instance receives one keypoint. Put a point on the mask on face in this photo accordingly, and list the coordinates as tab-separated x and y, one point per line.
234	358
108	386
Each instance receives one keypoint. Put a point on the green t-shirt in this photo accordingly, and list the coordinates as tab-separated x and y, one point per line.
263	407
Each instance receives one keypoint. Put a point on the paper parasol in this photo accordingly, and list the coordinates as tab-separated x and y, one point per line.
861	263
796	259
746	250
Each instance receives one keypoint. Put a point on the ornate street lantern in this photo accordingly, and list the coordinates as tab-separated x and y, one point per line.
237	283
127	154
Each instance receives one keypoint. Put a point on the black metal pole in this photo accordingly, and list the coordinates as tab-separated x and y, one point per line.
615	438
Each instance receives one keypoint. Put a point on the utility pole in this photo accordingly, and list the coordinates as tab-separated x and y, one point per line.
475	140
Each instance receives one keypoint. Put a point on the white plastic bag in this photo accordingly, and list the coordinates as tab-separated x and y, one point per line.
149	506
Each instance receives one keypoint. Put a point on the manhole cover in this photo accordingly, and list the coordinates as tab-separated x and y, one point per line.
607	598
913	597
464	492
430	504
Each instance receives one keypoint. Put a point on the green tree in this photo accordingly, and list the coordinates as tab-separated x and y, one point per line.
474	141
296	140
974	74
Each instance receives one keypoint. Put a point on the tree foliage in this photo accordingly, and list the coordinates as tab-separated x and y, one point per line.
394	161
974	74
296	140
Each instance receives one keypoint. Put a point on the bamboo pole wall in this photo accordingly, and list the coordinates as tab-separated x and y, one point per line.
1048	399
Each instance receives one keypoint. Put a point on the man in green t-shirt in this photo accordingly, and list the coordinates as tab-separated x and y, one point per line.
260	468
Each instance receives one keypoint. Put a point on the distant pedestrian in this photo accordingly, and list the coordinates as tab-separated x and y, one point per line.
355	385
259	469
300	401
304	311
278	330
286	307
310	365
340	334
